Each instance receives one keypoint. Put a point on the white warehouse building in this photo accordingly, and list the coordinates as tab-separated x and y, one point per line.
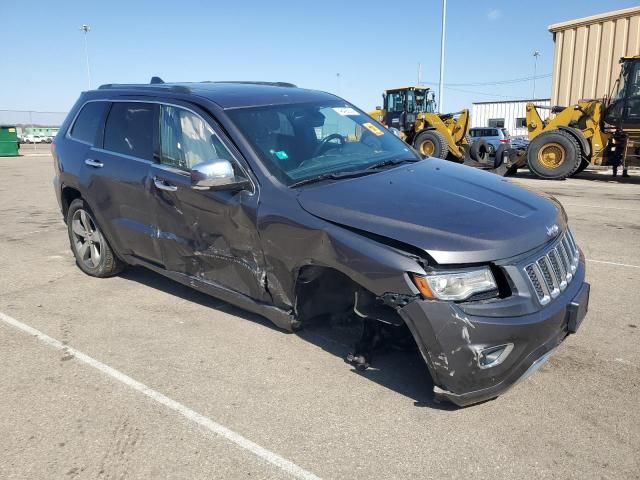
509	114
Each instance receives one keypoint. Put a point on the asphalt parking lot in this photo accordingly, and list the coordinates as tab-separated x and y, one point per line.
223	394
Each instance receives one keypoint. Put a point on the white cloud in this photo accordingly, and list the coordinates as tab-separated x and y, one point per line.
494	14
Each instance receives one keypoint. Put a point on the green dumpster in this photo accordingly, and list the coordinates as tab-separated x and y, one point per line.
8	141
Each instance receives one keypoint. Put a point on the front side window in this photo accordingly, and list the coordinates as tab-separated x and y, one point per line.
89	121
129	129
186	139
301	141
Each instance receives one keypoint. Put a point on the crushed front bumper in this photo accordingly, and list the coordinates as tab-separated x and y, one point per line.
451	341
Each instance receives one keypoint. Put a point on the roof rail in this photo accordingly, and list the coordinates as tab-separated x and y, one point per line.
249	82
146	86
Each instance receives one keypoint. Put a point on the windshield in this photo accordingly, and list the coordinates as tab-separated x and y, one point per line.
300	141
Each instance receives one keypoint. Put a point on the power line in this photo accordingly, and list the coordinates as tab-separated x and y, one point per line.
498	82
487	94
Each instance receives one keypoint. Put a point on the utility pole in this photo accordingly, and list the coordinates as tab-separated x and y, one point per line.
419	74
338	83
441	86
536	54
86	29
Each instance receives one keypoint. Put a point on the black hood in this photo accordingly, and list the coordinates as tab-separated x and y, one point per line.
456	214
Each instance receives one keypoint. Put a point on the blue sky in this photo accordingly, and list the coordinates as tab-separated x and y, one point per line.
372	44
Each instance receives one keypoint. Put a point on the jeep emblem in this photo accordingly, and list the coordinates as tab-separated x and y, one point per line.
553	230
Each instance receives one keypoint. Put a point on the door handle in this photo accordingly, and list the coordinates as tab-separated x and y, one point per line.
163	185
93	163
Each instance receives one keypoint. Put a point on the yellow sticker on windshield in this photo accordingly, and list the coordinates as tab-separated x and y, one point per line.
373	129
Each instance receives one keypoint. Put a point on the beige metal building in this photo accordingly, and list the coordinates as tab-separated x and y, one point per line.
587	52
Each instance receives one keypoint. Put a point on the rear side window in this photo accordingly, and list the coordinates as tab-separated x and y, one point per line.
483	132
89	121
129	129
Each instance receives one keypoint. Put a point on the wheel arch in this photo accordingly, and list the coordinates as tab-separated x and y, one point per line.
325	289
579	136
67	195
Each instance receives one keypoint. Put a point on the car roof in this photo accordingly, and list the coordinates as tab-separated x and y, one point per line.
232	94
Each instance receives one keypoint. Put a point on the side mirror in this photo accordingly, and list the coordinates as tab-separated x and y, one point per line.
217	174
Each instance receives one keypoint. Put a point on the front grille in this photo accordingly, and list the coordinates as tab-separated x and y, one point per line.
552	272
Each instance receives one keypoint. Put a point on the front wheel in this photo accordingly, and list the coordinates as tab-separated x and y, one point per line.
431	143
554	155
93	254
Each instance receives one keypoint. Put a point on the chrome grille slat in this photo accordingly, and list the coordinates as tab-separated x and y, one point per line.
552	281
550	273
567	259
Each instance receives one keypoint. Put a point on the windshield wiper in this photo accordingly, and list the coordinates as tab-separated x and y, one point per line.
332	176
388	163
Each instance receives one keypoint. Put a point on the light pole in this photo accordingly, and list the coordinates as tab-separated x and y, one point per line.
338	83
441	86
536	54
86	29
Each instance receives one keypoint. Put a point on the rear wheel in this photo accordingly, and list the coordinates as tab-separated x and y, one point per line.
554	155
431	143
91	249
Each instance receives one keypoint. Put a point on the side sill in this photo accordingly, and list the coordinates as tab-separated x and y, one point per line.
280	318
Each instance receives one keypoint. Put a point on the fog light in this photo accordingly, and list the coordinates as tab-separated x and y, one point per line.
494	356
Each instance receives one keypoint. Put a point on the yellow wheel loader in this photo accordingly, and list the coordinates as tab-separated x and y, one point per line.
591	132
411	111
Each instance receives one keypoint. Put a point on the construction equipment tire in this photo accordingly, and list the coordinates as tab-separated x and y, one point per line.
554	155
431	143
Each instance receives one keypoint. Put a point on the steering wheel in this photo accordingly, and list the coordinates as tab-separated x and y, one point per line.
325	140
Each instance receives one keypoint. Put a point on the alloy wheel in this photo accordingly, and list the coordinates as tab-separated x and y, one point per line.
87	239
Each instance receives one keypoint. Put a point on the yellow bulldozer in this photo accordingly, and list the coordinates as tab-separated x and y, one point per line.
592	132
412	111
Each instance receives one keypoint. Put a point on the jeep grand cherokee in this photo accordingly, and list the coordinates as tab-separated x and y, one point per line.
293	203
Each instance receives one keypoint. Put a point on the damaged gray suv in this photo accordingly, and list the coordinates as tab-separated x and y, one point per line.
294	204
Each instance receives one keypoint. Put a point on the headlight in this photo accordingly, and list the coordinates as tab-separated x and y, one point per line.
455	285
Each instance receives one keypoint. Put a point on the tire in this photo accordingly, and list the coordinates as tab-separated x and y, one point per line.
93	253
479	151
554	155
583	164
431	143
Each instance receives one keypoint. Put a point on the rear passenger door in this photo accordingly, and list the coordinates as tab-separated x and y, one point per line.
117	179
207	234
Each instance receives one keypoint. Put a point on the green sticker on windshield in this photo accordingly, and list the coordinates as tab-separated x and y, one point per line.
280	154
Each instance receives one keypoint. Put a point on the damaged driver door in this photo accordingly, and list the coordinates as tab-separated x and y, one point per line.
206	228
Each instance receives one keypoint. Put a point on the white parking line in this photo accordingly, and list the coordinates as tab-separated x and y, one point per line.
261	452
613	263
